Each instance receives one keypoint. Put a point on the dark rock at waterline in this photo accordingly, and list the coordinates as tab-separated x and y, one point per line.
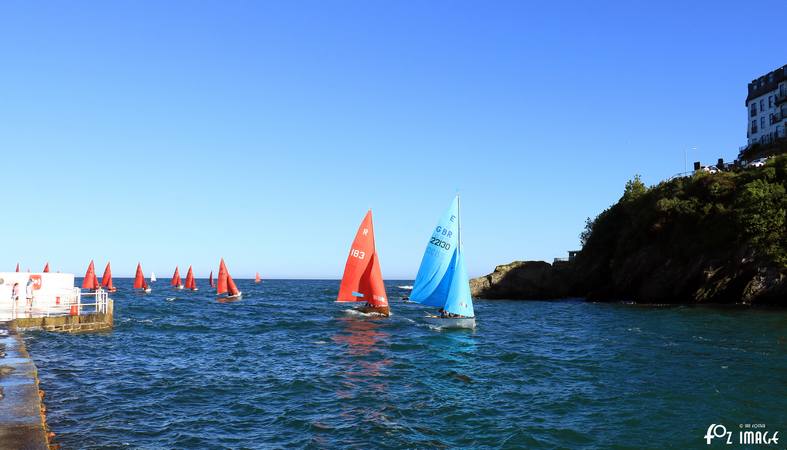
527	280
648	277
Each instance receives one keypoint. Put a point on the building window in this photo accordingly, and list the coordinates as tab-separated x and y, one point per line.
762	122
762	104
770	101
753	109
753	126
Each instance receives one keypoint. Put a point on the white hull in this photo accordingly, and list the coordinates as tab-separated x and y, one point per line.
451	322
179	287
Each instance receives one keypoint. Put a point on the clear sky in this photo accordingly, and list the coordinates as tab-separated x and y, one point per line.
179	132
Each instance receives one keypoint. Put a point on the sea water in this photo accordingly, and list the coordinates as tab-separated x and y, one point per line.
287	367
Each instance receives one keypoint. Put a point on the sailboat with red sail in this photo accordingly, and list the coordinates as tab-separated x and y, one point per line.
106	280
257	278
210	280
226	285
191	284
46	267
139	280
90	281
363	280
176	281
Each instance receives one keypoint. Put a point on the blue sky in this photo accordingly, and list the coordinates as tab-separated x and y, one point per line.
179	132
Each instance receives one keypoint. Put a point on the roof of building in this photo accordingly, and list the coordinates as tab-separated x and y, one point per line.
766	83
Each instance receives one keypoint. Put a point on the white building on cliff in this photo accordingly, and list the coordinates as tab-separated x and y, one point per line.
766	107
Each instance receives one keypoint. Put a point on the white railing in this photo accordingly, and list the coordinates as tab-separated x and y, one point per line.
99	304
70	303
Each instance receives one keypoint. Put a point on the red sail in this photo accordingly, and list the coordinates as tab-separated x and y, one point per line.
89	282
210	279
139	278
106	279
17	267
257	278
46	267
190	284
176	278
363	279
231	288
221	285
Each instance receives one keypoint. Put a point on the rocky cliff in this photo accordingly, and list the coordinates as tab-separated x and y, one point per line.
708	238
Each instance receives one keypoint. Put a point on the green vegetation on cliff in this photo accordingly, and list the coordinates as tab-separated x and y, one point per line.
705	238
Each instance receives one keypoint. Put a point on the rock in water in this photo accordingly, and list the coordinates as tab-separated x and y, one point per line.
526	280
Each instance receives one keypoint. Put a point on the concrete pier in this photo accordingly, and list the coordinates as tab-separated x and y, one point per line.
22	423
83	323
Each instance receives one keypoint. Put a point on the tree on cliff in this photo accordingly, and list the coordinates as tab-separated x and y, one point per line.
698	238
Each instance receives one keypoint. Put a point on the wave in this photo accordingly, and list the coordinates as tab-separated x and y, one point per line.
406	287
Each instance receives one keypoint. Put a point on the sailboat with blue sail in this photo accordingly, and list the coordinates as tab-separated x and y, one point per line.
442	278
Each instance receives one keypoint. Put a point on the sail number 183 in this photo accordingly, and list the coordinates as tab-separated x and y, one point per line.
357	253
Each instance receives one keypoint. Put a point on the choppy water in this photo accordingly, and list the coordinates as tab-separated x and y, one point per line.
286	367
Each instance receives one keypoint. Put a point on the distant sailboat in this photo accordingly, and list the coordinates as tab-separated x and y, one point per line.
226	285
257	278
152	277
17	267
176	282
210	280
191	284
363	280
139	280
90	281
46	267
442	279
106	279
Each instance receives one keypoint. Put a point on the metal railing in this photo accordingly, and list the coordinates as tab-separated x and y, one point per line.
70	304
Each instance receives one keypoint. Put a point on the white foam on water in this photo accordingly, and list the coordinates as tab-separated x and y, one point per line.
406	287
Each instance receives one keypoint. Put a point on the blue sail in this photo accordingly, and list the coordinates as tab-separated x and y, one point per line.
459	301
442	279
431	286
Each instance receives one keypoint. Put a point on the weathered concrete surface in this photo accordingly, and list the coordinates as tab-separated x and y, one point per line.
85	323
21	419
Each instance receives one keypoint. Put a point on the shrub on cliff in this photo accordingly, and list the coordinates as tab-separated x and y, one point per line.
687	227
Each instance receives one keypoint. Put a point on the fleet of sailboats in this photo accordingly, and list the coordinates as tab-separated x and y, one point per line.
441	282
362	280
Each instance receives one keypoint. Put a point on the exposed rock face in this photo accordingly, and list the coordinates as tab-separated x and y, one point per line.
526	280
646	280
